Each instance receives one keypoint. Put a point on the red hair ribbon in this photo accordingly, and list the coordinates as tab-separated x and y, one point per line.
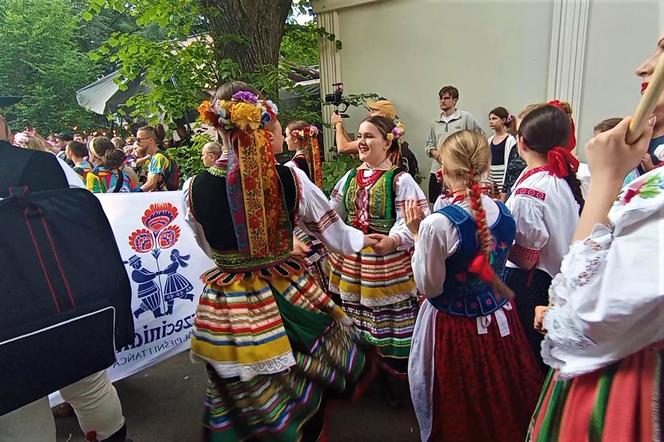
481	267
571	142
561	161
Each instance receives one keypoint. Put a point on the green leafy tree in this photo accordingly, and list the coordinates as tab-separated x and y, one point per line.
201	44
41	60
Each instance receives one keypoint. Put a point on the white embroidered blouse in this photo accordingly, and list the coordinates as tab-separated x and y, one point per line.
608	299
546	215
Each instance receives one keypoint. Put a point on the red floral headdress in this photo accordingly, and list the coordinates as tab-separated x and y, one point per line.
309	135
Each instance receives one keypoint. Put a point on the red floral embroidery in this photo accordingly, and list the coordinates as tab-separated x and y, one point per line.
531	192
532	172
527	255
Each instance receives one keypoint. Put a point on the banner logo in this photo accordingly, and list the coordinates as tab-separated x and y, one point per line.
158	289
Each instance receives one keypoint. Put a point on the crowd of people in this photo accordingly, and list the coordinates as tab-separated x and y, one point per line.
522	300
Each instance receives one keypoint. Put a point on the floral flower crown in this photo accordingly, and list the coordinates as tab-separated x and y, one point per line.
397	132
243	111
305	133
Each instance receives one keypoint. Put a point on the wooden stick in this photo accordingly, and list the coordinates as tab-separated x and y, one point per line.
647	104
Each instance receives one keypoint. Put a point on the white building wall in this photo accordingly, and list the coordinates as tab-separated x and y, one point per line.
621	34
497	53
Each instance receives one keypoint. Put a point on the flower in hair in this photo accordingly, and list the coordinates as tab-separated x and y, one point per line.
222	110
397	132
306	132
271	108
245	115
245	96
207	113
244	111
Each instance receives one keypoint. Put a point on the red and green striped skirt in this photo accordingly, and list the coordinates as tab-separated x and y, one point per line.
619	403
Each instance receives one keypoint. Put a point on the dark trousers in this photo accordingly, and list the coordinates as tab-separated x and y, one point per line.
435	188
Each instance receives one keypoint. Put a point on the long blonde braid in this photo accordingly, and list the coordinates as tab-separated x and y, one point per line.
466	155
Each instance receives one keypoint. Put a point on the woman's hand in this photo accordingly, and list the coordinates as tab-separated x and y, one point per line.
300	249
336	119
540	312
384	244
610	157
369	241
646	162
413	216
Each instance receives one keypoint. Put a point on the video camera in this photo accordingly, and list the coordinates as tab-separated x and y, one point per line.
337	99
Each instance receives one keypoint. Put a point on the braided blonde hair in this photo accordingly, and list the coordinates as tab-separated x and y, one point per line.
466	156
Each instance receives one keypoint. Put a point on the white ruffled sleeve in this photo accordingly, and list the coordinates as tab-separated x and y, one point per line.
528	213
437	239
406	189
337	196
317	217
199	233
608	300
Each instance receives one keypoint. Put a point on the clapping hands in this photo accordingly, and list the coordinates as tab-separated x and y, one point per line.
413	215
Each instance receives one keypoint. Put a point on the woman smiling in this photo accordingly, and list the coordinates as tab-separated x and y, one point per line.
376	285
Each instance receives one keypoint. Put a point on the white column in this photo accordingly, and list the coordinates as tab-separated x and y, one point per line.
330	70
568	51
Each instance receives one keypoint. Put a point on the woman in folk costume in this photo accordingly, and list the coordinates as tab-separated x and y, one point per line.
604	326
302	138
545	203
274	343
376	284
471	375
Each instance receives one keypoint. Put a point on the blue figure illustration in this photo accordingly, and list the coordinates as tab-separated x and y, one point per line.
148	292
177	286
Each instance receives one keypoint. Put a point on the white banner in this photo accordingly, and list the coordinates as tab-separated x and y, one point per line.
164	264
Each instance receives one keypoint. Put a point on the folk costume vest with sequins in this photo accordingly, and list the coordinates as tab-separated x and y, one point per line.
377	190
464	294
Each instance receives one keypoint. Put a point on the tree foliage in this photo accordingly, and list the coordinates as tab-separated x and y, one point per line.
231	39
42	61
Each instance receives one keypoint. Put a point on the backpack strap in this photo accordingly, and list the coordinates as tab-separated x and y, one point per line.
119	182
167	175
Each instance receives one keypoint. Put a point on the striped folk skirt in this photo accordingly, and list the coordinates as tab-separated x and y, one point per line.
379	293
467	386
618	403
276	347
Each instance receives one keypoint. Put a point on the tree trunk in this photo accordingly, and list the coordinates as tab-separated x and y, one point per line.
260	23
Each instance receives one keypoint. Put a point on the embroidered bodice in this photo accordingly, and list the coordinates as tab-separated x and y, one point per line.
369	200
464	294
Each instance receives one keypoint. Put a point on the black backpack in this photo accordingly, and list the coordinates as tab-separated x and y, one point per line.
172	178
65	304
408	160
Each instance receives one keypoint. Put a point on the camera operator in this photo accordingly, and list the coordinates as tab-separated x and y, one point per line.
382	108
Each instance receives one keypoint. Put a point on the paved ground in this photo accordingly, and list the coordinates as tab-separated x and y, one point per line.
164	404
